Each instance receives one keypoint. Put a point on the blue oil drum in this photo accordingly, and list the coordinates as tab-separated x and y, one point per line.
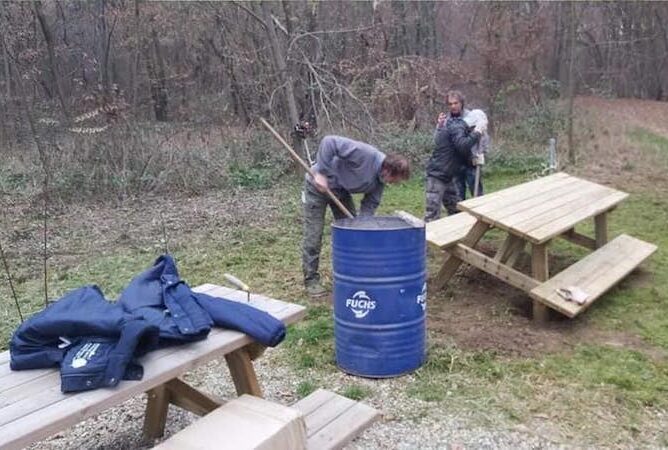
380	295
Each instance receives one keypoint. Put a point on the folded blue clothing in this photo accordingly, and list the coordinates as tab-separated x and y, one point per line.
159	296
262	326
95	342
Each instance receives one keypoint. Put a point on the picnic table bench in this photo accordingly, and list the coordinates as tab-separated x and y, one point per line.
32	407
322	420
533	214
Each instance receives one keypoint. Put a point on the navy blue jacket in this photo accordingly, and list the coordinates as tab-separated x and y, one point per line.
159	296
95	341
92	340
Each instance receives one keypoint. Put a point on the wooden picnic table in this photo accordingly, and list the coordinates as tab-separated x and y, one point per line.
32	407
533	214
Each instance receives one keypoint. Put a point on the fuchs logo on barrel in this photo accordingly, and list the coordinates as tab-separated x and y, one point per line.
421	298
360	304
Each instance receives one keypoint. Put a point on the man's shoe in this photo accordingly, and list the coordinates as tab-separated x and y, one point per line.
315	289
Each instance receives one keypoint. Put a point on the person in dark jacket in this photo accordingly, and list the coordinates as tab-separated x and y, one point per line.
452	149
346	167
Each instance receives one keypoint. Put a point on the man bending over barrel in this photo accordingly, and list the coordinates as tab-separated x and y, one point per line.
345	167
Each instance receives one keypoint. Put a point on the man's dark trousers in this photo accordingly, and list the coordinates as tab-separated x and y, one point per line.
315	207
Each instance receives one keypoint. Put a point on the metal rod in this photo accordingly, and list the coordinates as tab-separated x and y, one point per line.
306	167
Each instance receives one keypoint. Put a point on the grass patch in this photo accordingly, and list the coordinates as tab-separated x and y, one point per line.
305	388
631	376
649	141
250	177
639	302
356	392
312	340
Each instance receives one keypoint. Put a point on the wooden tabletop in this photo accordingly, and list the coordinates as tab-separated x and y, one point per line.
32	406
544	208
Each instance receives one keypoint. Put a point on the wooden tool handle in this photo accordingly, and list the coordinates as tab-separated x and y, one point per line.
306	167
236	282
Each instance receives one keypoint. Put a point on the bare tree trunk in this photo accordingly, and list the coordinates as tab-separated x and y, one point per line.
661	74
8	74
48	38
103	53
572	154
281	67
156	73
6	120
135	64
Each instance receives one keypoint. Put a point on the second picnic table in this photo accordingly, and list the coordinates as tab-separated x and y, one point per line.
534	213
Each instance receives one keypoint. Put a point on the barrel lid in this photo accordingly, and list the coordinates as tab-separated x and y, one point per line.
374	223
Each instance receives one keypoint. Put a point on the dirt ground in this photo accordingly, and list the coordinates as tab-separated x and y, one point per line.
484	314
479	312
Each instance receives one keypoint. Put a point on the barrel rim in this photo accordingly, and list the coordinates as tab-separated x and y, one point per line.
402	224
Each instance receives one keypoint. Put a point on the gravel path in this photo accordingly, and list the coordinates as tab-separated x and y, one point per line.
406	423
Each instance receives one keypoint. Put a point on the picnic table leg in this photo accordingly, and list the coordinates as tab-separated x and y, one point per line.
541	272
451	262
601	229
156	412
187	397
516	252
243	373
507	248
255	350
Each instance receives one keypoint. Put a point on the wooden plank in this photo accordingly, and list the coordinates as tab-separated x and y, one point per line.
326	413
507	248
579	239
449	230
516	252
500	197
541	272
344	428
552	228
594	274
155	417
489	265
34	389
187	397
243	423
451	262
601	229
13	378
530	199
314	401
243	373
537	215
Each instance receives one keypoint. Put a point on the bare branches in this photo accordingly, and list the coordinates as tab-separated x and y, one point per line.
9	281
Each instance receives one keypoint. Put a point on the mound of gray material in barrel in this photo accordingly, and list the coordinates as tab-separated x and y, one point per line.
373	223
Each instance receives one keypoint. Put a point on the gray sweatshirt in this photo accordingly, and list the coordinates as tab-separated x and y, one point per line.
352	166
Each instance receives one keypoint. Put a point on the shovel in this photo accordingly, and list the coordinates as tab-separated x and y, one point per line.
306	167
480	160
477	181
